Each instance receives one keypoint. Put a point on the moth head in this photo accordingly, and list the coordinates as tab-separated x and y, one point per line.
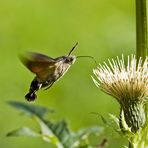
70	59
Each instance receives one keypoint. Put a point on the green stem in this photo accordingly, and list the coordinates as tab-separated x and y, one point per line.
141	29
130	145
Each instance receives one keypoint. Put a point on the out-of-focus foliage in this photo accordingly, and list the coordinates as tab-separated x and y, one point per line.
103	28
57	134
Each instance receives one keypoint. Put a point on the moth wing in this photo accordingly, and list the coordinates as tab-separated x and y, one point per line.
39	64
39	57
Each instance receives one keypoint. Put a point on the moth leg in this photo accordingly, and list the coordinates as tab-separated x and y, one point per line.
40	85
49	86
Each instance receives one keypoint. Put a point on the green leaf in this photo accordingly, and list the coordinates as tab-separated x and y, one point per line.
25	131
90	130
102	118
30	109
47	133
62	132
88	136
114	120
58	133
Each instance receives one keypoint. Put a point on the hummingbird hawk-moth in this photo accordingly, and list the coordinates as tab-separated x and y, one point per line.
47	70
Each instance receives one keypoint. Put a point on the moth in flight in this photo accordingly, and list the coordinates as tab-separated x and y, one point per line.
47	70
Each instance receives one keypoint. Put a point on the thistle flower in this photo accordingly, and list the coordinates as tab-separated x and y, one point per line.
128	84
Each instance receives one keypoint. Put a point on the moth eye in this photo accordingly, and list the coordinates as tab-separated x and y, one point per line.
68	60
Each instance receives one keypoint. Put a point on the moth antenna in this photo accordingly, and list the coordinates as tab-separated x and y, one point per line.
88	57
72	49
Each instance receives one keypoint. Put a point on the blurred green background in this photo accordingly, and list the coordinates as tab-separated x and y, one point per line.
103	28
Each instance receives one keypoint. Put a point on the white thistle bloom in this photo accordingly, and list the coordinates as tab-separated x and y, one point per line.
124	81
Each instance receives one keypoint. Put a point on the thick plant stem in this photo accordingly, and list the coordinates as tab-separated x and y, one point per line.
141	29
130	145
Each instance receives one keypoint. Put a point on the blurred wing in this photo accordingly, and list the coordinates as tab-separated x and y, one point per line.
39	57
39	64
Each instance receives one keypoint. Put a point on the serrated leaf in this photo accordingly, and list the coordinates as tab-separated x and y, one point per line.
62	132
25	131
51	132
47	134
30	109
56	133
